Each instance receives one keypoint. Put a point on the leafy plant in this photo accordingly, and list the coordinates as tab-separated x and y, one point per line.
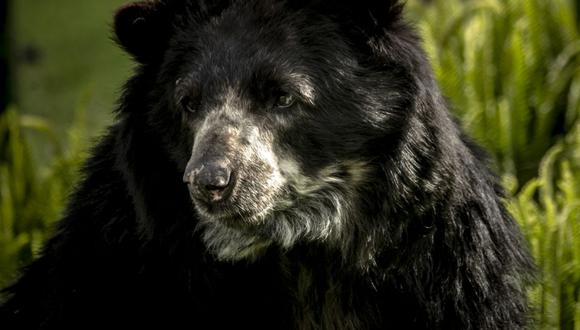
548	209
512	71
32	194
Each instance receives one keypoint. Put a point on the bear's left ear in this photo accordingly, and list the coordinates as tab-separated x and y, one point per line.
142	29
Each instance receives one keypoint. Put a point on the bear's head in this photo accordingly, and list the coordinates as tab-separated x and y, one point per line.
281	114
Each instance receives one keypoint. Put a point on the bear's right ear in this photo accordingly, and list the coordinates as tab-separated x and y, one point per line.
142	29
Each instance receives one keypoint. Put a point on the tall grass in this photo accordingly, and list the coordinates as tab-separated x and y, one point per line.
548	209
512	71
32	193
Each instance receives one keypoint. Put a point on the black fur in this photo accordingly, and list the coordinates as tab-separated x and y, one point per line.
428	243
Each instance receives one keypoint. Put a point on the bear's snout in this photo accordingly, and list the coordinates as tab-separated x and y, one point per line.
210	180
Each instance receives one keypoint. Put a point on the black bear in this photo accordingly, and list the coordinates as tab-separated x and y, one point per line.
279	164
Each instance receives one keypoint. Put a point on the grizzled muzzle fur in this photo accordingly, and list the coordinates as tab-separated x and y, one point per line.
250	192
233	174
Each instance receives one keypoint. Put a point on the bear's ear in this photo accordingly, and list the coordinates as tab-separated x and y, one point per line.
142	29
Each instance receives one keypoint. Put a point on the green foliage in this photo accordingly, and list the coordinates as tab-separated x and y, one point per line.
548	209
32	194
512	71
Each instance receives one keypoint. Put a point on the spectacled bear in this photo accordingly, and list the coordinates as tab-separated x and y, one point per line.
279	164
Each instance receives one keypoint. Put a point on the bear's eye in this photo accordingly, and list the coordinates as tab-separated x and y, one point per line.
285	100
189	104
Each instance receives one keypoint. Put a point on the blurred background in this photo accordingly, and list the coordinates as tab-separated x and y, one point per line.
510	68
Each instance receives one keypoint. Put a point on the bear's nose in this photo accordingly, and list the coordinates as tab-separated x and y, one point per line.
211	181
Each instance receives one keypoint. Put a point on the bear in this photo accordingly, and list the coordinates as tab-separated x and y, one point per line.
279	164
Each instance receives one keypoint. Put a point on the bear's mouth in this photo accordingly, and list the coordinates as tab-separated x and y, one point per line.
226	212
245	203
216	209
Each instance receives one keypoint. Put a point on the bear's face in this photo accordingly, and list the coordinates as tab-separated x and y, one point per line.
276	114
